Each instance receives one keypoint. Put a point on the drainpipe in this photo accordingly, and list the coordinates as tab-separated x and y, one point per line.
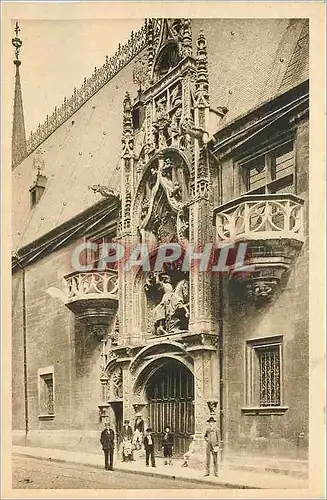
220	358
220	331
24	345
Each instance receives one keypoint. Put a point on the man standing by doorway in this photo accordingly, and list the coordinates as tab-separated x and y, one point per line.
212	446
149	447
107	440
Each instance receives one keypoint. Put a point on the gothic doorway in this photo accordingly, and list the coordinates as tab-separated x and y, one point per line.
118	411
170	394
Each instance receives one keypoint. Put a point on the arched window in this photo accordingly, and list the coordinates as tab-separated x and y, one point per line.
167	59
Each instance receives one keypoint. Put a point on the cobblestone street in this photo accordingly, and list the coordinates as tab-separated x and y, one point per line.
34	473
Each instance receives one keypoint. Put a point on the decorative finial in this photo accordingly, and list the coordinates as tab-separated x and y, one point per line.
187	38
17	43
38	161
127	137
202	82
140	73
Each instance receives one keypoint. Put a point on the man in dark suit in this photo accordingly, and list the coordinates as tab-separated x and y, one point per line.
213	443
149	448
127	431
107	440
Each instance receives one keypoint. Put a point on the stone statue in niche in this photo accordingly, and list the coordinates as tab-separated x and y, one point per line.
161	124
176	96
117	382
167	167
145	208
183	223
171	315
153	176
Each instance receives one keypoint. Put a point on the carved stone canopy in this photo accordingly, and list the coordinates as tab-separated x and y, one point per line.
212	405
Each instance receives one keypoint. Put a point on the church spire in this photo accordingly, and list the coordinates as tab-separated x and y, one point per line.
18	146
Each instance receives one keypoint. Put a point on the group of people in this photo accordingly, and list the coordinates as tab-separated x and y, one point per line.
135	441
139	439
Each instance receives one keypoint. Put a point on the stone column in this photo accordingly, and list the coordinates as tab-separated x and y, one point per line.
125	278
128	410
206	389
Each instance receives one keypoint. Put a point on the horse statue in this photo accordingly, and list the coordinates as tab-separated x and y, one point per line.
171	315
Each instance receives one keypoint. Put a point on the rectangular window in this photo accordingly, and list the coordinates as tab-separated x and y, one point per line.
46	392
269	375
270	172
264	373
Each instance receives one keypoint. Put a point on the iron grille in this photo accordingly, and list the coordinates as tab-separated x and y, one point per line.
269	369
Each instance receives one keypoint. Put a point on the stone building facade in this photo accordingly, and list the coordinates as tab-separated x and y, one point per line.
213	149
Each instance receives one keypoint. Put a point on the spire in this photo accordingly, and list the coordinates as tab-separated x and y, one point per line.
150	38
187	38
127	138
18	147
202	82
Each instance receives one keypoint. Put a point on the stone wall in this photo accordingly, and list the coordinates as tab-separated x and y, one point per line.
53	339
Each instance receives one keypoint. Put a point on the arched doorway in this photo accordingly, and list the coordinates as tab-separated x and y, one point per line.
170	394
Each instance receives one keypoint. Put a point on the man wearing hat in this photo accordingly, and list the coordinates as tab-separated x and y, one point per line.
149	447
127	436
213	441
107	440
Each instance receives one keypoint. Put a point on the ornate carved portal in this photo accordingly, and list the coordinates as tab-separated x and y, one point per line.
166	198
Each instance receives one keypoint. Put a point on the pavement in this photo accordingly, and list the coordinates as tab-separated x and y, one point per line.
36	473
229	478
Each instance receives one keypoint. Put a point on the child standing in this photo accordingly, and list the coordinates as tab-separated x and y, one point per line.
167	445
149	447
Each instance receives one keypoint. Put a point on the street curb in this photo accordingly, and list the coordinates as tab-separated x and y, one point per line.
144	473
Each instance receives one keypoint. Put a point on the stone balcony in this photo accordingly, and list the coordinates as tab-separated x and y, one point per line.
92	295
272	226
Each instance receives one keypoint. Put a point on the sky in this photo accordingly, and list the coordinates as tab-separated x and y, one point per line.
57	55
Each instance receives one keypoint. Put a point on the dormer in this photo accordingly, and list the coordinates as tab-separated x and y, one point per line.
39	185
37	189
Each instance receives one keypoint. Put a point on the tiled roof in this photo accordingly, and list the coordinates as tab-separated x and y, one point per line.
253	60
84	151
298	66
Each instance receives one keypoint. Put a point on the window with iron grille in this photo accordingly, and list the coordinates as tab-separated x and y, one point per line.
271	171
46	392
264	372
269	373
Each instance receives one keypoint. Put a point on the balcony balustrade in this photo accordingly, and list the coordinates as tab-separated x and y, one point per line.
257	217
272	226
92	295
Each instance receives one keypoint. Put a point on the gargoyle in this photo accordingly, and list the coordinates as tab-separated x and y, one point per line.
105	191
